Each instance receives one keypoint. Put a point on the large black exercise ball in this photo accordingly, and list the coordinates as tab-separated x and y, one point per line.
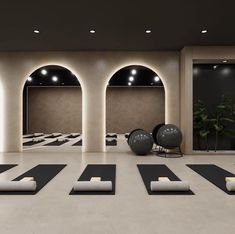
154	132
169	136
141	142
131	133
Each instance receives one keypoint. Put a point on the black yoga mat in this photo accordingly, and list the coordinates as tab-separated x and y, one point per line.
6	167
111	143
70	136
56	143
216	175
78	143
151	172
51	136
42	174
30	143
111	136
107	172
32	136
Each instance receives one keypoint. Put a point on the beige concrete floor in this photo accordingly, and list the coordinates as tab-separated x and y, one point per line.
131	210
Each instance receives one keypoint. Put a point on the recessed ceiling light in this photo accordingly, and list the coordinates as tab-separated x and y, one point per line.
44	72
54	78
36	31
133	72
92	31
204	31
156	78
30	79
148	31
225	61
129	83
131	78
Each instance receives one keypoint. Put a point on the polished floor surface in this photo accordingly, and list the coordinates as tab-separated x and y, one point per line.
131	210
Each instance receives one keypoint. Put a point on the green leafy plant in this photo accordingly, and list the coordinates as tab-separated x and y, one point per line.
201	122
224	114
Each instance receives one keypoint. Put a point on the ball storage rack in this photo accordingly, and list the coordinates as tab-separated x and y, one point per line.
167	153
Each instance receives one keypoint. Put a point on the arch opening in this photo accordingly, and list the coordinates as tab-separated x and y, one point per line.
52	109
135	98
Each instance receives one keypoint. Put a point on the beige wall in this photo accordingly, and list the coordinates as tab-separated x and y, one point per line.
54	109
93	69
131	107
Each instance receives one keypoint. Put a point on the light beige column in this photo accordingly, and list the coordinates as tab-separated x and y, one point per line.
11	114
186	100
93	117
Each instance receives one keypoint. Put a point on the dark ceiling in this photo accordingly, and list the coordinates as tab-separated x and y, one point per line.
119	25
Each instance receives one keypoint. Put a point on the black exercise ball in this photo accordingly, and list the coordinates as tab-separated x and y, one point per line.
154	132
140	142
131	133
169	136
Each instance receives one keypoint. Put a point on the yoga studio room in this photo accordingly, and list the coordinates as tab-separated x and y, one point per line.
117	117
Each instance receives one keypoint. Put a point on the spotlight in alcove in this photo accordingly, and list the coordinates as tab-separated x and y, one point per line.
36	31
54	78
44	72
131	78
92	31
204	31
148	31
156	79
30	79
133	72
129	83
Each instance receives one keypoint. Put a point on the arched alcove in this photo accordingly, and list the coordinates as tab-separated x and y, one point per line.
52	103
135	98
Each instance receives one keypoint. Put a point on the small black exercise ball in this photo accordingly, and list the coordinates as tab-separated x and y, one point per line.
140	142
154	132
169	136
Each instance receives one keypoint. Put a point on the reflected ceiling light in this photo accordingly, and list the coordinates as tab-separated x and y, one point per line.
215	66
204	31
196	71
36	31
54	78
131	78
44	72
30	79
129	83
156	79
148	31
225	61
226	71
92	31
133	72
